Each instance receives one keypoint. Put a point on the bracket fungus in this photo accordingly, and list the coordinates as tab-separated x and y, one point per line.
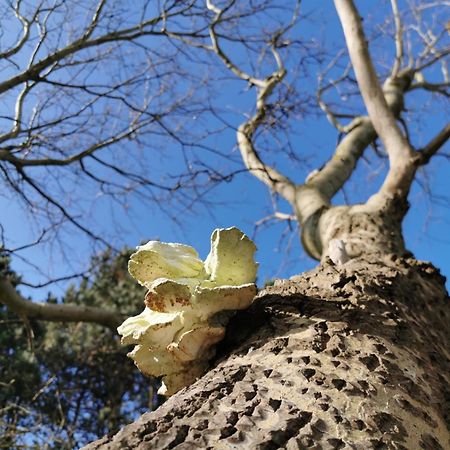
183	317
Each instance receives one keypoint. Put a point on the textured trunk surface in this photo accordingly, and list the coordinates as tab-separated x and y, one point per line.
354	357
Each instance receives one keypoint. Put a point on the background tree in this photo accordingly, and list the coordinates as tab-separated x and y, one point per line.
70	118
62	385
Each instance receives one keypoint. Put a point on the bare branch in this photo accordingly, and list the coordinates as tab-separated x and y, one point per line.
64	212
218	50
439	56
22	162
18	114
87	34
144	28
421	83
276	216
431	39
268	175
360	133
382	118
399	151
434	145
246	131
331	116
398	39
25	32
56	313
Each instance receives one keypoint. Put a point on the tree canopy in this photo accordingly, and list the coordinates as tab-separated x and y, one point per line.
87	84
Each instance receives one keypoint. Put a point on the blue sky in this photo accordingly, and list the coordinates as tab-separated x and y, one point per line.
242	202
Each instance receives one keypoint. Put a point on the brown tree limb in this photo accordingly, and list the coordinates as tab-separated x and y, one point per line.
56	313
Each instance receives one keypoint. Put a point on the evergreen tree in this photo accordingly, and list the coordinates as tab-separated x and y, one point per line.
64	384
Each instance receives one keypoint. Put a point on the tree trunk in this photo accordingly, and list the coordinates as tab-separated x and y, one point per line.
350	357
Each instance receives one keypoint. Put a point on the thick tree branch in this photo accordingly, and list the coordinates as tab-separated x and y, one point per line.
359	134
15	130
315	196
401	171
56	313
382	118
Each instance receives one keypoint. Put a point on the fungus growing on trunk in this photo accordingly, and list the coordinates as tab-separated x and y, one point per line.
180	324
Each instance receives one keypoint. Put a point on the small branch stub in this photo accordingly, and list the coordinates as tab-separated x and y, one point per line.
337	252
176	332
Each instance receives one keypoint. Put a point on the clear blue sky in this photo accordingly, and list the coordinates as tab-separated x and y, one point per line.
241	203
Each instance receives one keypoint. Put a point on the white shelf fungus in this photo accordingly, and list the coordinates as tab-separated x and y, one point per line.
175	334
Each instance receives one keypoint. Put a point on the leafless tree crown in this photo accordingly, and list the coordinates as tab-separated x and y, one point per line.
97	96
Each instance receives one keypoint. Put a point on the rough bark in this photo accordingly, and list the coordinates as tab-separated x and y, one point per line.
354	357
364	229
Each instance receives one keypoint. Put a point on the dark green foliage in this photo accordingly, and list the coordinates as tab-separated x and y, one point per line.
62	385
